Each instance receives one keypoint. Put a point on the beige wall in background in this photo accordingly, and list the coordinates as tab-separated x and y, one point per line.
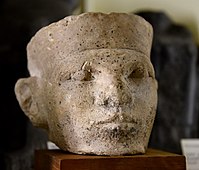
185	12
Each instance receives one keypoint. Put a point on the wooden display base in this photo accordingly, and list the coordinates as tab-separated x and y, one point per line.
152	160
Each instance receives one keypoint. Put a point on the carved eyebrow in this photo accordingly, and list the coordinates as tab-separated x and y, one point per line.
116	49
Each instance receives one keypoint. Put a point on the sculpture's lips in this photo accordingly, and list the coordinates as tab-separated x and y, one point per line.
119	130
119	126
118	119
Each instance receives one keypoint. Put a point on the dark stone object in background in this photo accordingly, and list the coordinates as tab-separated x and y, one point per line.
173	55
197	90
19	21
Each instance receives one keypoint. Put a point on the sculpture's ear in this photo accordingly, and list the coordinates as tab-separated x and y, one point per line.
28	92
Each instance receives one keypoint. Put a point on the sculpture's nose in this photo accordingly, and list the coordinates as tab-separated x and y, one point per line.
113	92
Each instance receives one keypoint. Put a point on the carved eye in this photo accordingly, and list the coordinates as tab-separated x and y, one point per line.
138	73
83	75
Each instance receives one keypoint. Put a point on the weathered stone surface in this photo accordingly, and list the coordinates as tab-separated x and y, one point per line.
91	84
174	56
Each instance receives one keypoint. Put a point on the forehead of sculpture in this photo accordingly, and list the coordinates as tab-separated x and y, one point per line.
109	57
87	31
95	31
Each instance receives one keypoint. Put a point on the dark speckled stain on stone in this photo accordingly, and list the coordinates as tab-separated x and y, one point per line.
173	55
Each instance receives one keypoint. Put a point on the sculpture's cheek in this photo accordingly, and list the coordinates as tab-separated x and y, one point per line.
72	98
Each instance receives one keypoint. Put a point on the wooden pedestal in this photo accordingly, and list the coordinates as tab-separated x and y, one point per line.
152	160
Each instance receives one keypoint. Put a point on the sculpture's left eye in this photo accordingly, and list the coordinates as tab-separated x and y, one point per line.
137	73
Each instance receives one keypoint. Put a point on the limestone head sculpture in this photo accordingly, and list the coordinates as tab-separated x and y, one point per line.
92	84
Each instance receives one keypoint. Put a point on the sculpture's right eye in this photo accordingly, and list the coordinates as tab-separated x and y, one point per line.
83	75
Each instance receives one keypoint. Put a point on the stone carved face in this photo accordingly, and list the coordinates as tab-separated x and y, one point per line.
99	100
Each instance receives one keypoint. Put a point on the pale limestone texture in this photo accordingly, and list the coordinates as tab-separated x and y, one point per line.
92	84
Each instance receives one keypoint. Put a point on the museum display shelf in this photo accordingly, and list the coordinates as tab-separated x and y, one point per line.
151	160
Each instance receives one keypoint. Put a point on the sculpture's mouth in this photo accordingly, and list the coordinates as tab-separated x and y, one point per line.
119	128
115	125
118	131
119	119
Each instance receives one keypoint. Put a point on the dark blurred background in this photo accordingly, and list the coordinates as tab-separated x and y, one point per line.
174	56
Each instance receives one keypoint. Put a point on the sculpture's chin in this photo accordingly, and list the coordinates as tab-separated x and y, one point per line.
107	148
109	139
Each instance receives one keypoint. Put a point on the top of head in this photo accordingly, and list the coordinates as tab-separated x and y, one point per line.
87	31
